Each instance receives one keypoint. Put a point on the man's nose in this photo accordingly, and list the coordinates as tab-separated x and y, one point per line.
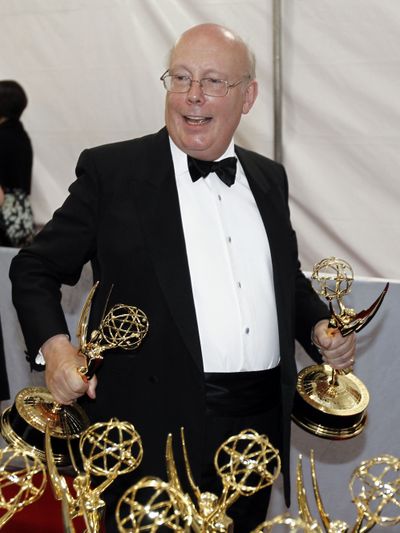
195	93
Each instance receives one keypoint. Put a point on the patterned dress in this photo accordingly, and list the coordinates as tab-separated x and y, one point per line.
16	219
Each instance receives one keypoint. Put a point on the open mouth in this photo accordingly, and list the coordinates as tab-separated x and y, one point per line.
197	121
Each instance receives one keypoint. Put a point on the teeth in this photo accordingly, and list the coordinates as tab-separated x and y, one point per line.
197	120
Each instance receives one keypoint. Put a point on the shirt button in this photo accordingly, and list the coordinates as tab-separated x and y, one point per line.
239	285
219	197
247	331
229	239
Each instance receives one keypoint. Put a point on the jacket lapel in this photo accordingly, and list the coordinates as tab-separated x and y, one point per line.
157	202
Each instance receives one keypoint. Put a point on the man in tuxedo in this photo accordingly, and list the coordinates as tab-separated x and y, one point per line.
208	252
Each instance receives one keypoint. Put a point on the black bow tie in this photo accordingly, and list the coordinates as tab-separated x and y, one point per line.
225	169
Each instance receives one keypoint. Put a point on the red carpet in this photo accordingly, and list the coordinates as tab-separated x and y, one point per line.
42	516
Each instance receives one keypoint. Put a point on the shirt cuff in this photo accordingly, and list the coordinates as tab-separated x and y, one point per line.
39	359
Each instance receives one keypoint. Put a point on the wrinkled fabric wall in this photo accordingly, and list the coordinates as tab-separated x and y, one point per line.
91	70
342	130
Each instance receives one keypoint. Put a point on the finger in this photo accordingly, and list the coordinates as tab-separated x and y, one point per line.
345	351
341	346
326	337
339	358
341	362
91	391
343	341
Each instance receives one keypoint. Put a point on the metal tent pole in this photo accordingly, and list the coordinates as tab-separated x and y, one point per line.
277	78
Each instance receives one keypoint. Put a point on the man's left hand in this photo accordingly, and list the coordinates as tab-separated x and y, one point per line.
337	351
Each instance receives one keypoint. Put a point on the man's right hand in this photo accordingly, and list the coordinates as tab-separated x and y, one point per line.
62	377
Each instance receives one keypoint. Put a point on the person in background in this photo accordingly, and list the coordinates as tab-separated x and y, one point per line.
16	218
4	385
195	231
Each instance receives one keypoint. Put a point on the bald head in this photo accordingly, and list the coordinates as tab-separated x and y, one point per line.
209	35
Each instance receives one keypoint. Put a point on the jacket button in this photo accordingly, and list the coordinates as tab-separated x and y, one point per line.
154	379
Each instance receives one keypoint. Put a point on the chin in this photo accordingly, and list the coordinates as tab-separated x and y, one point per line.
196	148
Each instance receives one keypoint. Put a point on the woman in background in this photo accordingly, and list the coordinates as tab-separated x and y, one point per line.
4	387
16	220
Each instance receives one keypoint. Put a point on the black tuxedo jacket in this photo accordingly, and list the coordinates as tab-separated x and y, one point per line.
123	215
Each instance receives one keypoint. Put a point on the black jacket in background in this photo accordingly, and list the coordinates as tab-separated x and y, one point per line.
15	156
4	388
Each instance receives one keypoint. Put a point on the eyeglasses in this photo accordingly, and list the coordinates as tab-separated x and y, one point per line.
210	86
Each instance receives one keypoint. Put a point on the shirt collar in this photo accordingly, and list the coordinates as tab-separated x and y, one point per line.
179	157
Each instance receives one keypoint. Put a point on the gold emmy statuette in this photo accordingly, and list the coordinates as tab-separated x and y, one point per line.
375	491
332	403
246	463
25	422
152	504
22	481
107	450
294	525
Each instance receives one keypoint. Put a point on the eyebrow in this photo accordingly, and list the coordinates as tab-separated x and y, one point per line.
208	73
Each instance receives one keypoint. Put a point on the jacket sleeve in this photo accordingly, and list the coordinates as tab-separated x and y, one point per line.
56	257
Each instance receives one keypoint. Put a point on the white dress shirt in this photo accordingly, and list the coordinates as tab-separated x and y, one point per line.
230	269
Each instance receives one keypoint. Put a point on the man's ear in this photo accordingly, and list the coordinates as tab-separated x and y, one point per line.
250	96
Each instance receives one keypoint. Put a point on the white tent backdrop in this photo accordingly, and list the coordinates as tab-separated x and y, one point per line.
91	70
